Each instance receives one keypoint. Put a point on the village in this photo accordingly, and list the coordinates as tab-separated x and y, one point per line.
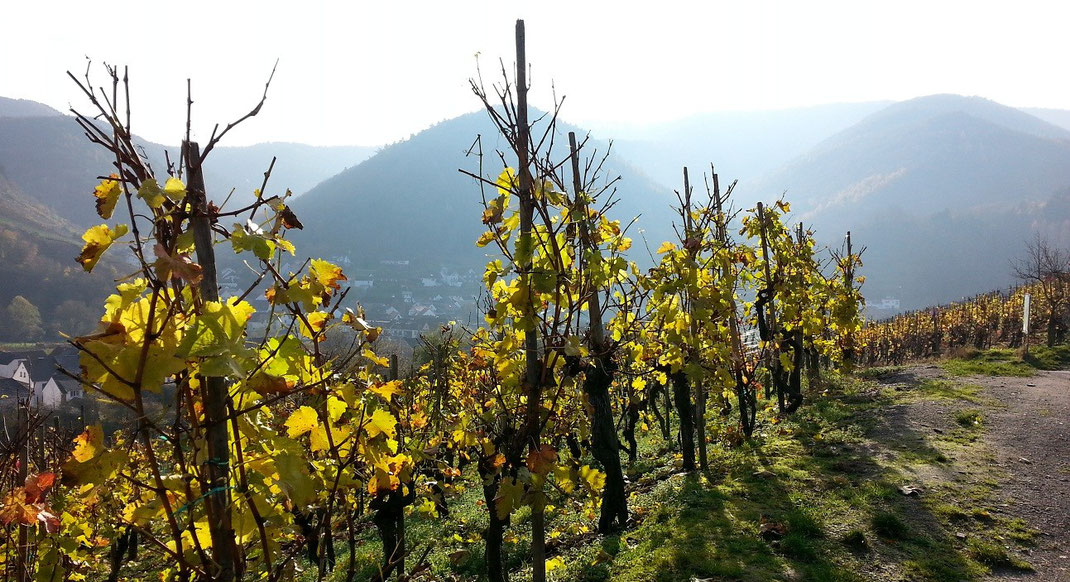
36	378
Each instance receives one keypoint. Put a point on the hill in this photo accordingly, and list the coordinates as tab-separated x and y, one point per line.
1058	117
24	108
53	163
410	202
943	190
746	144
298	167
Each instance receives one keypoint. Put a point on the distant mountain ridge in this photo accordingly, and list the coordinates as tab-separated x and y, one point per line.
25	108
743	144
944	189
54	164
410	202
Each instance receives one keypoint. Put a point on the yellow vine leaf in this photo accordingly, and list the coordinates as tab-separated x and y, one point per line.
377	360
386	389
107	194
316	321
593	479
505	181
336	407
381	422
88	444
151	193
666	247
326	273
174	189
302	420
97	240
510	496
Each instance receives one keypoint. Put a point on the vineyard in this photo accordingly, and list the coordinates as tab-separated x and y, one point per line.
982	322
305	454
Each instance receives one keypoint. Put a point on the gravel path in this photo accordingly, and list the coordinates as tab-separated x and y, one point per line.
1027	435
1030	436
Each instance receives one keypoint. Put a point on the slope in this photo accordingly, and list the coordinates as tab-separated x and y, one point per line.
410	202
942	189
53	163
745	144
24	108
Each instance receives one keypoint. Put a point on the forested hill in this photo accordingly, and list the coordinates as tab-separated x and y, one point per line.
50	160
24	108
944	190
744	144
410	202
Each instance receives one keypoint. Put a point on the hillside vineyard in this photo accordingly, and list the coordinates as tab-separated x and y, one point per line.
237	409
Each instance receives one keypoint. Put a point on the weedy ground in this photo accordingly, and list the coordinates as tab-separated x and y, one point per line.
881	476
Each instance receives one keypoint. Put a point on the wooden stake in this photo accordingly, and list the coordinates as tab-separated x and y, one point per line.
217	466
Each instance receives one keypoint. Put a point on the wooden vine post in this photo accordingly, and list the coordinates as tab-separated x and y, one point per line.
848	280
21	571
597	379
214	388
770	311
533	373
743	395
694	244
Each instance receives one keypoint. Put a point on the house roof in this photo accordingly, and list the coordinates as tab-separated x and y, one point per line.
11	388
8	357
41	369
70	362
67	385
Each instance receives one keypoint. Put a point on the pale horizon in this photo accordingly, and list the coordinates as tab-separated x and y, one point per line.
370	75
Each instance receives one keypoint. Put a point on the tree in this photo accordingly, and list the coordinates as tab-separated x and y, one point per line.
72	317
1048	268
23	320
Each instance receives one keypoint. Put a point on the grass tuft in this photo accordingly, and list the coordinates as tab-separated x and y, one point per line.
969	418
994	362
996	556
888	525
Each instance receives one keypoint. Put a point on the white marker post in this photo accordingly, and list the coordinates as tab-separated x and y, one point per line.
1025	321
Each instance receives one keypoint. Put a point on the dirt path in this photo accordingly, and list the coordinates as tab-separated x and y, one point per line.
1030	438
1022	455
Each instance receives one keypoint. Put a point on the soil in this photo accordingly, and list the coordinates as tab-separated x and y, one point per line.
1025	443
1030	437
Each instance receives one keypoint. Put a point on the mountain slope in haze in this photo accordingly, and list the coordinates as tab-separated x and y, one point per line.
944	190
410	202
926	155
742	144
1057	117
37	251
298	167
24	108
19	212
54	164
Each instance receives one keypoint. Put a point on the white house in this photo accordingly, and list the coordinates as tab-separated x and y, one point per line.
17	371
888	303
48	394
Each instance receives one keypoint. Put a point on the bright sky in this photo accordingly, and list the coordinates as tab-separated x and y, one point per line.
359	72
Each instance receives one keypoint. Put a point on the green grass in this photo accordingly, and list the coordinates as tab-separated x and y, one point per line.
826	474
1045	358
969	418
878	372
993	362
890	526
949	390
996	556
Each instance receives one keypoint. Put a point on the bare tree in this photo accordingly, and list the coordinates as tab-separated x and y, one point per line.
1047	268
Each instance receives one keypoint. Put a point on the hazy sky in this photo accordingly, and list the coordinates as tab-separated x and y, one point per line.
372	72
